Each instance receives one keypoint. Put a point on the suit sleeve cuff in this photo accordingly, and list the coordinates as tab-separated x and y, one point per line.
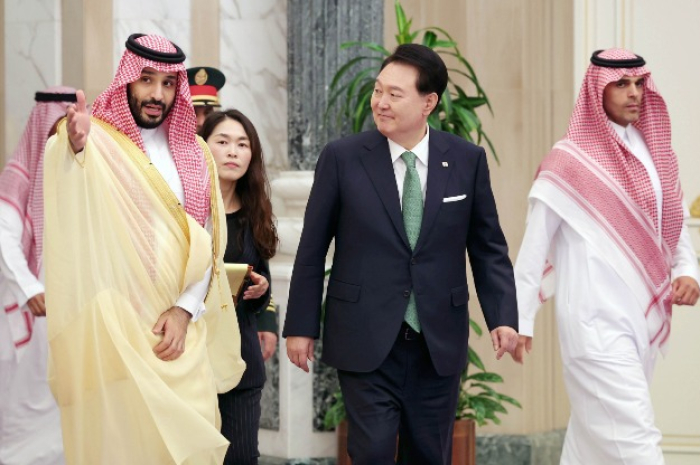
267	321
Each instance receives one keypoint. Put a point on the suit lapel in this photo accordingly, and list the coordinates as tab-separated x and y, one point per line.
440	165
377	163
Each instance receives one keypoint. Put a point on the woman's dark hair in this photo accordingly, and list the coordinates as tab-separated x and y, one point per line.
253	188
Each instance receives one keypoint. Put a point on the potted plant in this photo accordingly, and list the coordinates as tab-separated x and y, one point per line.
350	93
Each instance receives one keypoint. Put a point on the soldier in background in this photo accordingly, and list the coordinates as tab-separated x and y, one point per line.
205	83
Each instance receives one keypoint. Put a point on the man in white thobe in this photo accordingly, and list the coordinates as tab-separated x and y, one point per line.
606	218
30	429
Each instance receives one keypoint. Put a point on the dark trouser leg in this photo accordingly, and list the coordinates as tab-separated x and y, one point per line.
428	414
404	394
240	421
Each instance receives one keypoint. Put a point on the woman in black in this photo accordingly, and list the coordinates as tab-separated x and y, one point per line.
252	239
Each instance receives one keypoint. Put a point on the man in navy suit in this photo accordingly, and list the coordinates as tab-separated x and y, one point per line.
403	204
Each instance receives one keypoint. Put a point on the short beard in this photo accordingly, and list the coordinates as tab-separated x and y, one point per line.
145	122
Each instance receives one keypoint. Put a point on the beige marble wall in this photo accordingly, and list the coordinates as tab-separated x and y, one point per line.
31	59
668	47
521	52
87	40
205	33
253	47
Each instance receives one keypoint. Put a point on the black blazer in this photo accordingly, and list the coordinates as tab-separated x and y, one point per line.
248	311
355	200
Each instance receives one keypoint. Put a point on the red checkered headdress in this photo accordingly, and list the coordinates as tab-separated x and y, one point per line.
21	182
112	106
590	130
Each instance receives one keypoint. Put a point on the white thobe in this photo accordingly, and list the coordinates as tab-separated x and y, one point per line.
30	422
608	361
155	141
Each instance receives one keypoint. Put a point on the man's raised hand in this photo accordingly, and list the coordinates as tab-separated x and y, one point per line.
78	123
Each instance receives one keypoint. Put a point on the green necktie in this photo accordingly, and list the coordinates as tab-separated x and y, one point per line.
412	206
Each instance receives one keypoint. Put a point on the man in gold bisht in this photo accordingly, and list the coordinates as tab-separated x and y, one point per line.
134	240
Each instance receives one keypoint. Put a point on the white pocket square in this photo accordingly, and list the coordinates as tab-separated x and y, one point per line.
456	198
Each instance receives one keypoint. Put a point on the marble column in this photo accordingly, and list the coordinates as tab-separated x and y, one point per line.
315	30
252	44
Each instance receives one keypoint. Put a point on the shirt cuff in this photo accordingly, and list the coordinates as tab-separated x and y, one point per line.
28	292
526	327
191	305
690	272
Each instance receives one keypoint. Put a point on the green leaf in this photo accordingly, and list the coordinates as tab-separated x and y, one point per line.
429	39
453	71
479	411
489	405
442	31
375	47
475	360
471	75
446	104
490	144
344	69
362	80
468	118
361	112
444	44
465	100
475	327
486	376
485	387
509	399
434	121
400	16
335	413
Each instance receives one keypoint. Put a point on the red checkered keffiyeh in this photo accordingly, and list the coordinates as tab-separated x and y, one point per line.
112	106
593	167
21	182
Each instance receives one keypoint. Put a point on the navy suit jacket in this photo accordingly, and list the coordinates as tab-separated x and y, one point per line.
355	200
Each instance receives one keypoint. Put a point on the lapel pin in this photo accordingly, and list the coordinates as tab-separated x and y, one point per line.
445	164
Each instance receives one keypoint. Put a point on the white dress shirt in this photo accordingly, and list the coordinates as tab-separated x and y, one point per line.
421	152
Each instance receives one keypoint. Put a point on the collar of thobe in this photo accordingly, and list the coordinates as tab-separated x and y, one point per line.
626	133
420	150
156	138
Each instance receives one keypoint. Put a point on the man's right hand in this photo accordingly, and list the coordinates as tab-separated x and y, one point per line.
37	305
524	345
300	350
78	123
